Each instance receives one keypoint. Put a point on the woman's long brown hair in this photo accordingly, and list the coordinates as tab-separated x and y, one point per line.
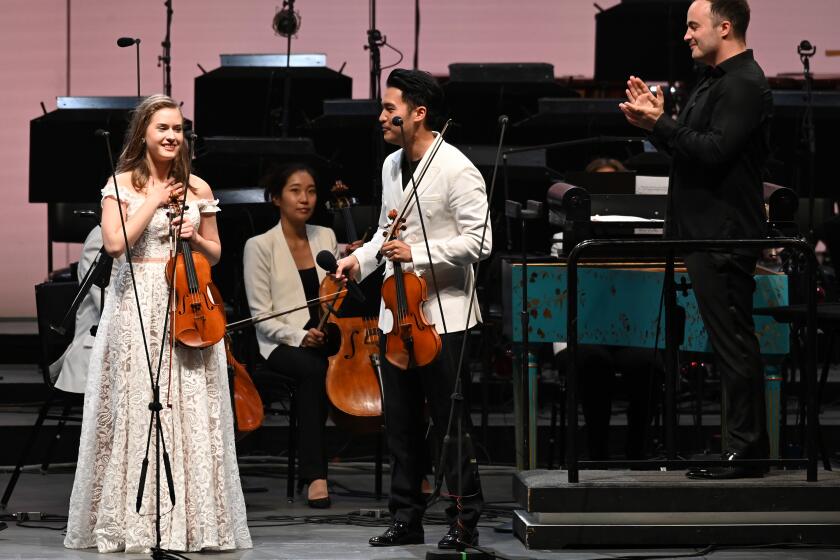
133	156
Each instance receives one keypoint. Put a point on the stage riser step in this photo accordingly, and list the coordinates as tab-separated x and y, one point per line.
544	536
661	508
614	492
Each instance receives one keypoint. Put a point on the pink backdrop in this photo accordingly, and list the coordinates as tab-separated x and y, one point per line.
34	54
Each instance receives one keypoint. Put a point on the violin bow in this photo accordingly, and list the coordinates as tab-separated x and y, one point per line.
409	200
243	323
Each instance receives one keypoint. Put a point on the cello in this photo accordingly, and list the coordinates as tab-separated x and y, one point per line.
352	382
352	372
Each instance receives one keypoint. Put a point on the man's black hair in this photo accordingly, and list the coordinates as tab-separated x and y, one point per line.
420	89
736	12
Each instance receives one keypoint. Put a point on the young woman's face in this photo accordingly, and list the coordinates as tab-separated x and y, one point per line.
165	134
298	197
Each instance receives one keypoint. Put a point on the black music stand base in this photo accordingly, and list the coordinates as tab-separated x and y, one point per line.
456	555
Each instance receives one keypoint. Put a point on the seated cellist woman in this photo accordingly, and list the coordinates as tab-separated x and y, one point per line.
280	273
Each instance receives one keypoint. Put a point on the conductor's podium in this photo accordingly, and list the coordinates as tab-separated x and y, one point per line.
619	305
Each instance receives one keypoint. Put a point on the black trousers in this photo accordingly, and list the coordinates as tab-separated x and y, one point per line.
723	286
641	370
308	367
405	392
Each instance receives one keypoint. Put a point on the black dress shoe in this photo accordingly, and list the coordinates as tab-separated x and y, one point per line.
398	534
728	473
458	536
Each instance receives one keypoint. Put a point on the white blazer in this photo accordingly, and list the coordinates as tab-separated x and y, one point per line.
72	366
454	205
272	283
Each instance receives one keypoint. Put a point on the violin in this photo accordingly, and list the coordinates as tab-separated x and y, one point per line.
413	341
198	316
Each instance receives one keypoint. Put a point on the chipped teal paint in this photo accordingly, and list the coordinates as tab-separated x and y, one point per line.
619	307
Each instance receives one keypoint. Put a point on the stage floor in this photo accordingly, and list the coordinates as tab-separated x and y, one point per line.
281	530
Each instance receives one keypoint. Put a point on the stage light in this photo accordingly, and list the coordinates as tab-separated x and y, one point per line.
286	22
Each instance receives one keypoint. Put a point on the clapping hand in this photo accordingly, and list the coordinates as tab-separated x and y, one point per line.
642	108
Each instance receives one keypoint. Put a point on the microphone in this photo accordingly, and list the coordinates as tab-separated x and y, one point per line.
101	132
397	121
503	120
123	42
326	260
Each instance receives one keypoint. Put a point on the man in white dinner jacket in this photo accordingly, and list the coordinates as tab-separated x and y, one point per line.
453	202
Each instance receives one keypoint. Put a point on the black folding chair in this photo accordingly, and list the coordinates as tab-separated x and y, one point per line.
52	299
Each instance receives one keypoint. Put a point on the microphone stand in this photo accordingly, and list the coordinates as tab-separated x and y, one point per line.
287	82
137	44
457	397
399	122
375	41
456	409
165	59
99	274
155	407
806	51
416	61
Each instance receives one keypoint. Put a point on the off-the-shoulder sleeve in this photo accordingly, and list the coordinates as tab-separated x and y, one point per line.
111	190
208	206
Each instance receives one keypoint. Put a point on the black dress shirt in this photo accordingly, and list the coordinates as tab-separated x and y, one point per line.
309	279
719	144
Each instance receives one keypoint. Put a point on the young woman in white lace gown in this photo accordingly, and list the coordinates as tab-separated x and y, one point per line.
209	509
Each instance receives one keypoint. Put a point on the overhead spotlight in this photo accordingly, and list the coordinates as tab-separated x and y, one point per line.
286	22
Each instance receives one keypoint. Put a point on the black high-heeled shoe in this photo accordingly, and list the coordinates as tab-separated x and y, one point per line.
319	503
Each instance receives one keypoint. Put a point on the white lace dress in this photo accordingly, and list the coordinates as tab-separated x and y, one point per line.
209	509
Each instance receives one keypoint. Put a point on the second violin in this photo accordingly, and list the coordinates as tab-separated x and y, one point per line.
413	341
